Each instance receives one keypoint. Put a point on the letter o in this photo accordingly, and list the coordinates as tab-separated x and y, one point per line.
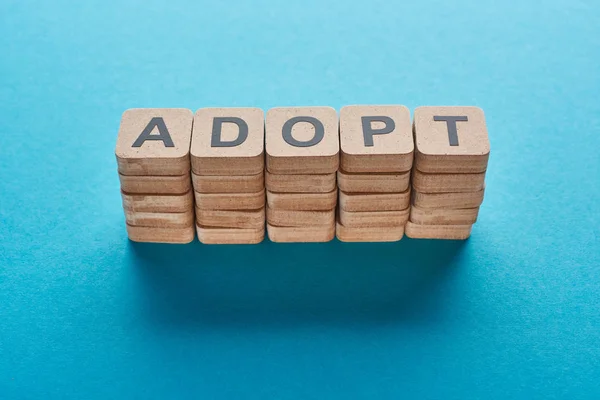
289	124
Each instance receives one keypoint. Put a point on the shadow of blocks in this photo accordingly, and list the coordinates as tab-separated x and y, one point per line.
290	285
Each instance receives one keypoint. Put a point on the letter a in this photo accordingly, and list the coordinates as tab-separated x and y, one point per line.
163	133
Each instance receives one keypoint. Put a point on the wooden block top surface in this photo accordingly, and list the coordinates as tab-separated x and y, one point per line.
228	132
302	132
451	131
375	130
155	133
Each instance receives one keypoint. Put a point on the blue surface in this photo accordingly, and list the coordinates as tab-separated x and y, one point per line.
512	313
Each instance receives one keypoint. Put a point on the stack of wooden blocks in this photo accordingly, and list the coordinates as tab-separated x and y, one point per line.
374	175
452	151
154	170
302	160
228	175
232	154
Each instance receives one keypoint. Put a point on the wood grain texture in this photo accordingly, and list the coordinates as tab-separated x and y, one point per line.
154	167
247	158
283	158
301	234
160	220
389	152
158	202
366	219
368	234
211	235
448	200
228	184
248	219
443	183
374	201
300	183
373	183
434	152
230	201
302	201
443	216
449	232
153	157
155	184
161	235
300	218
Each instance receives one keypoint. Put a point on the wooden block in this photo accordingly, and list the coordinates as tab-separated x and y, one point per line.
160	220
209	235
443	216
367	219
154	141
158	203
369	234
451	140
160	235
448	200
228	141
443	183
248	219
317	183
376	139
302	201
228	184
302	140
451	232
155	184
301	234
375	201
373	183
300	218
230	201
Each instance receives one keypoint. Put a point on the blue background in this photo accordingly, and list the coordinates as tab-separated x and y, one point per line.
514	312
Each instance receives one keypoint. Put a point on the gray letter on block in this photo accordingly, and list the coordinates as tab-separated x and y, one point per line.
451	125
163	133
289	124
216	132
368	131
